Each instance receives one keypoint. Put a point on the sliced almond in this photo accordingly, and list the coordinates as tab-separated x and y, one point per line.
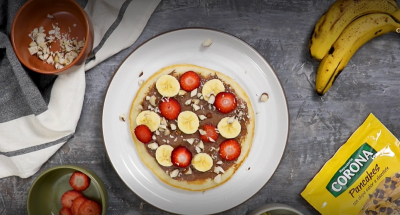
231	120
218	169
122	117
166	132
163	121
202	117
152	100
211	100
188	102
173	126
207	43
219	162
193	92
196	101
188	171
152	146
182	92
174	173
202	132
201	144
264	97
198	150
190	140
33	50
195	107
218	179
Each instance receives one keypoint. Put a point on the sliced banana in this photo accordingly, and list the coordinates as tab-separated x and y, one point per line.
168	86
228	128
163	155
202	162
212	87
149	118
188	122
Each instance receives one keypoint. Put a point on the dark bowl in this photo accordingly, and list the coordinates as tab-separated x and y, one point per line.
67	14
44	196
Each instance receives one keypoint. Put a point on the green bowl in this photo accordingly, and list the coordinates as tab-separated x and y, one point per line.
44	196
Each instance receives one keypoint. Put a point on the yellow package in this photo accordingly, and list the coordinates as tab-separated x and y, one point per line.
363	177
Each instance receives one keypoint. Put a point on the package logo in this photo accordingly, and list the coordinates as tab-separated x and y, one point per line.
352	169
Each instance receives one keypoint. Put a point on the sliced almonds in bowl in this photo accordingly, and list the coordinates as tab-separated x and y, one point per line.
63	18
41	44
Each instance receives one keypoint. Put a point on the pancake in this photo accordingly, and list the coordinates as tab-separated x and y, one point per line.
196	180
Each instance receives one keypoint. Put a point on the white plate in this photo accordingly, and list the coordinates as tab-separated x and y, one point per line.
228	55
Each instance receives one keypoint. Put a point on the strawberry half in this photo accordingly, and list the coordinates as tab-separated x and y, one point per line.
211	133
65	211
89	207
181	157
229	150
76	204
189	81
68	198
79	181
170	108
143	133
225	102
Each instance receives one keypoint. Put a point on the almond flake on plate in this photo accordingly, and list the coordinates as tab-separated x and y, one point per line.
218	179
207	43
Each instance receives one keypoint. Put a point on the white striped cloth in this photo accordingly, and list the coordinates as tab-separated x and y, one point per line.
37	118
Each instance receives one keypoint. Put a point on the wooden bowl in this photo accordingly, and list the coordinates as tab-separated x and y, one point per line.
67	14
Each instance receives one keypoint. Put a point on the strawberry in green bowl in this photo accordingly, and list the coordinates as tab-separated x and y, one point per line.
67	189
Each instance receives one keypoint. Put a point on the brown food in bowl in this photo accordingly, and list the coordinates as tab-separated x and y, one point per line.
33	14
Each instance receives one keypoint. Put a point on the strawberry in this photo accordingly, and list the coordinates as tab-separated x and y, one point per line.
181	157
89	207
143	133
170	108
79	181
225	102
189	81
68	198
229	150
76	204
65	211
211	133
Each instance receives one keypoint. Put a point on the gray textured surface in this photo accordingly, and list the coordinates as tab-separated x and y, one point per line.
279	30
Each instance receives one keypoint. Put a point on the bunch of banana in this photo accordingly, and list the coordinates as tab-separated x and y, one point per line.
353	37
356	23
338	16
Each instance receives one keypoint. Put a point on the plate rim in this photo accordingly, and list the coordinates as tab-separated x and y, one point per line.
207	29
